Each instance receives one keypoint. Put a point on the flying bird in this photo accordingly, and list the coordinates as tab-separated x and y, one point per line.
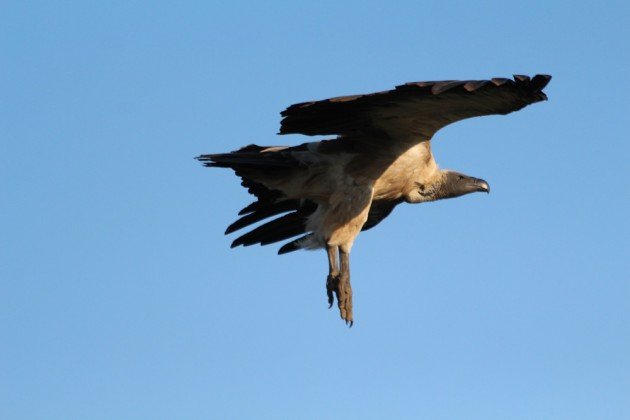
327	192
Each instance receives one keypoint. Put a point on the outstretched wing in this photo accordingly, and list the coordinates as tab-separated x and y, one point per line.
414	109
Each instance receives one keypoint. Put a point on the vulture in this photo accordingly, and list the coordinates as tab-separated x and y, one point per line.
326	192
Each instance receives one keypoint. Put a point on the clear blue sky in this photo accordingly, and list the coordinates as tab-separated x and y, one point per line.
121	299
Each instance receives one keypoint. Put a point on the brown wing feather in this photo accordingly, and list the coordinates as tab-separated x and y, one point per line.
418	109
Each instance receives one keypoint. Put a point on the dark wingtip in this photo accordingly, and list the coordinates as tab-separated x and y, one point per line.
249	208
521	79
240	223
294	245
290	246
285	249
539	82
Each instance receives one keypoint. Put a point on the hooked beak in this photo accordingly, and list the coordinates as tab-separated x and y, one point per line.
482	186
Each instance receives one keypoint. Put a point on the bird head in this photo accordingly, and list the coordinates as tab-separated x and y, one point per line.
448	184
455	184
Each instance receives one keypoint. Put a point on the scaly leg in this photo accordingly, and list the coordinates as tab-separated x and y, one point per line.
332	281
344	289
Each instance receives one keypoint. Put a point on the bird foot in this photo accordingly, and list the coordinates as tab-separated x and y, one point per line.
339	286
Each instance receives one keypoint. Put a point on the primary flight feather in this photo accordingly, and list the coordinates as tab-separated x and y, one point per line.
327	192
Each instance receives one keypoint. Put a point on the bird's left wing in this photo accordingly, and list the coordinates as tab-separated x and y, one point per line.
414	109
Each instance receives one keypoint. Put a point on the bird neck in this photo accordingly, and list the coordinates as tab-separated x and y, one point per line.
428	189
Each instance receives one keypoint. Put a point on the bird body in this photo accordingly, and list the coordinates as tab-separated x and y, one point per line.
329	191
